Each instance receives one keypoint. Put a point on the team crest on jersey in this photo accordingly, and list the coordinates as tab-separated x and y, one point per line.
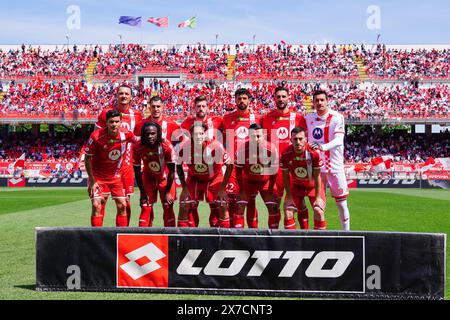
317	133
300	172
242	132
154	166
114	155
256	168
201	168
282	133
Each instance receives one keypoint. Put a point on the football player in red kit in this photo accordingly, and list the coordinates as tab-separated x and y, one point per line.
170	130
104	158
278	124
235	126
206	180
301	174
256	163
158	157
130	120
201	109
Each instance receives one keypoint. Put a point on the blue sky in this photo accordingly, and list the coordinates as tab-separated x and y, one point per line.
400	22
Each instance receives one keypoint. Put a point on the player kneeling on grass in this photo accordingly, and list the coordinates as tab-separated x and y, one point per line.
206	180
256	163
104	159
301	175
158	157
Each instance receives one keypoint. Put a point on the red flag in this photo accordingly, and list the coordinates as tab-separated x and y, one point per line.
242	44
359	167
159	22
429	161
283	42
20	162
382	163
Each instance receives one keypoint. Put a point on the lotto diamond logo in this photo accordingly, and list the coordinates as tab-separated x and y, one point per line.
142	261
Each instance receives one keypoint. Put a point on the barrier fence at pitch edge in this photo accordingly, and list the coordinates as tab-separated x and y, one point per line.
366	265
361	183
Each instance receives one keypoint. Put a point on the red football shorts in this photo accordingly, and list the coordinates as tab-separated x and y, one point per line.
152	186
204	190
113	186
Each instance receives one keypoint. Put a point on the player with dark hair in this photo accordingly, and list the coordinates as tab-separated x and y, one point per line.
326	131
301	175
105	153
202	115
157	156
278	124
169	128
256	163
206	180
130	119
235	127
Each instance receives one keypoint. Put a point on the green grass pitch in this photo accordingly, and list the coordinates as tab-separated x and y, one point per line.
21	210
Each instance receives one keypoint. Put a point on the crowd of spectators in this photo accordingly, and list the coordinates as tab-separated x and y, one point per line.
31	61
261	61
378	102
48	148
288	62
403	146
129	59
407	64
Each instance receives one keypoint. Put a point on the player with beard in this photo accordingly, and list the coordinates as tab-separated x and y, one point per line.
235	127
301	175
104	158
130	120
278	124
206	180
202	115
158	157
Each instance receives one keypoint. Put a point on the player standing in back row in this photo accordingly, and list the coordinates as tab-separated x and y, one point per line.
130	120
235	128
279	123
326	132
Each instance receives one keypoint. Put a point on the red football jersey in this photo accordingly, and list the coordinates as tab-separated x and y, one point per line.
279	126
204	165
154	159
234	128
300	165
213	123
130	120
108	152
258	163
169	128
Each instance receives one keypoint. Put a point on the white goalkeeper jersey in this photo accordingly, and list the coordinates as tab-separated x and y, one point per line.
322	130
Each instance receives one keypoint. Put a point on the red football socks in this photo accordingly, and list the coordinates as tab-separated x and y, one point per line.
303	219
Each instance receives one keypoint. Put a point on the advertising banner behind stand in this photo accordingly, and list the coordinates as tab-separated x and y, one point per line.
242	262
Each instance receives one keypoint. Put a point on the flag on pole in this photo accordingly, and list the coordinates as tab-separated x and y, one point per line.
383	163
159	22
131	21
191	23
